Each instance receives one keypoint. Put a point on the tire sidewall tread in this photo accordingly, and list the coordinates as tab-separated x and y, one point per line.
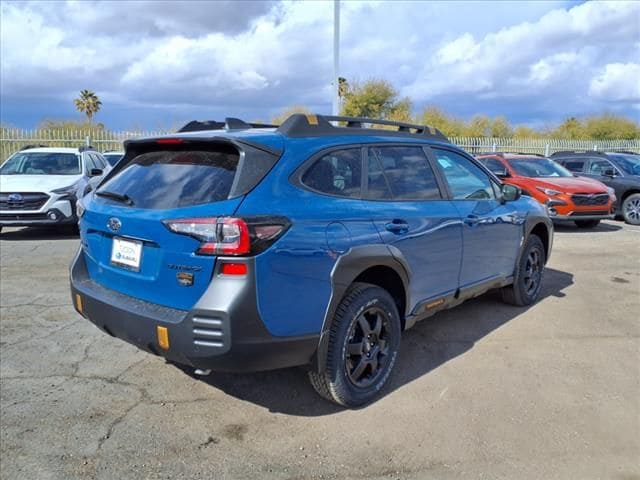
333	383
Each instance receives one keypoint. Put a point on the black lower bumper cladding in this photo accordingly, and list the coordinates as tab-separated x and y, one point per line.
233	340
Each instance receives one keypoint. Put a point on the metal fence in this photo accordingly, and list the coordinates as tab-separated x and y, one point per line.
12	139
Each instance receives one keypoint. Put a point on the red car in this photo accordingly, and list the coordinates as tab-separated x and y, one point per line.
567	197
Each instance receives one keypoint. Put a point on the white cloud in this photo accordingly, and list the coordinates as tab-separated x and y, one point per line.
259	57
519	59
618	82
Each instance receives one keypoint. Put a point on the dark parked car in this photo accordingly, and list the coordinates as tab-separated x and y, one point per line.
618	170
231	247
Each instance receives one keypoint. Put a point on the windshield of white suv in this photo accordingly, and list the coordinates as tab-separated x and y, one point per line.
42	163
629	163
538	167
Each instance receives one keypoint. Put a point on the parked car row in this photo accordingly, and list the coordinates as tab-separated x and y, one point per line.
579	186
242	247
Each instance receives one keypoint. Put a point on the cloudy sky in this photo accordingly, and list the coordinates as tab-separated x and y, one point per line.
157	64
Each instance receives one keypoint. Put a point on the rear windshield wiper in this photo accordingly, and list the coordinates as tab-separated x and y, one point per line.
120	197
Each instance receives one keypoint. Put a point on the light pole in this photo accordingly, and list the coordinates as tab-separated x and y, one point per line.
336	57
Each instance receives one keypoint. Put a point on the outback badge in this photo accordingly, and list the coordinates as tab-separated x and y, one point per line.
185	279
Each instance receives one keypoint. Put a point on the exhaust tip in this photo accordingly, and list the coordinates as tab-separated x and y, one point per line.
202	372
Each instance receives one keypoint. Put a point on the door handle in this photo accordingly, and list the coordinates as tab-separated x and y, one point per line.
397	226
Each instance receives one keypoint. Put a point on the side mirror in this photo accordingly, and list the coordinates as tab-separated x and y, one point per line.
510	193
95	172
609	172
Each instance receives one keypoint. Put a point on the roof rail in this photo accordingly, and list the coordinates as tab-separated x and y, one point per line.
502	154
27	147
530	154
485	154
303	125
627	152
573	152
230	123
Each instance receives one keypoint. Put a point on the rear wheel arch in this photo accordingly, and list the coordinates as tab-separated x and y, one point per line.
378	265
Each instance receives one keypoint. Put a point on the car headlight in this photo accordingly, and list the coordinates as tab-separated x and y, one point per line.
68	193
79	208
549	191
612	193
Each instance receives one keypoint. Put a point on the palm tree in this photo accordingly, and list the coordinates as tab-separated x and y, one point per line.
88	103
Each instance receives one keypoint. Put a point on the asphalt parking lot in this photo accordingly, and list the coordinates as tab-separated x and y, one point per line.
482	391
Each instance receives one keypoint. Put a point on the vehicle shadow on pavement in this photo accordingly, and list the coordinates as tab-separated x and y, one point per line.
40	233
573	228
425	347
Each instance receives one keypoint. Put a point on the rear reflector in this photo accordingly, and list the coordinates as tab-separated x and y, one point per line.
79	304
163	337
234	269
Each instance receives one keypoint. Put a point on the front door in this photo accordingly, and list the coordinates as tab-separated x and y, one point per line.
492	230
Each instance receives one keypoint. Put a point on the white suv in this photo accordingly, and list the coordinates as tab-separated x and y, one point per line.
40	186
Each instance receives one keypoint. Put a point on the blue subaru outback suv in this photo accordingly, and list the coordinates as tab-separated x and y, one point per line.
243	247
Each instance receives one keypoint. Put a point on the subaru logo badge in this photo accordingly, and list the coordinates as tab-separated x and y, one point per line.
15	197
114	224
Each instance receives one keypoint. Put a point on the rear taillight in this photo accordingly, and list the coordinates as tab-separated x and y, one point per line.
230	236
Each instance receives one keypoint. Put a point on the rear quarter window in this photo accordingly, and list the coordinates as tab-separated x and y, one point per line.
337	173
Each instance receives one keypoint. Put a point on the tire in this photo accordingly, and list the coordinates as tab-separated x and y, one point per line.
527	281
631	209
587	223
355	375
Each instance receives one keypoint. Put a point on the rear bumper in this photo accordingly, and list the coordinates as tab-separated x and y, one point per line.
223	332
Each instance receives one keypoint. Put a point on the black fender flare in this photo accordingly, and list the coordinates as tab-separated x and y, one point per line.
346	269
531	223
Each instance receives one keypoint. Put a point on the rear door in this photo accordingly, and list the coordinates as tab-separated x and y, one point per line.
127	244
411	214
492	231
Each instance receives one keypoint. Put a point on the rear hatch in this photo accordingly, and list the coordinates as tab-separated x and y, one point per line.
125	227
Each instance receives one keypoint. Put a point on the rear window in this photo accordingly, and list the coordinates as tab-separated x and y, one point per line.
173	179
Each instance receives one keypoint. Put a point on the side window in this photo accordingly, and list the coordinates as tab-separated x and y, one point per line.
466	180
336	173
598	167
401	173
99	161
493	165
573	165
